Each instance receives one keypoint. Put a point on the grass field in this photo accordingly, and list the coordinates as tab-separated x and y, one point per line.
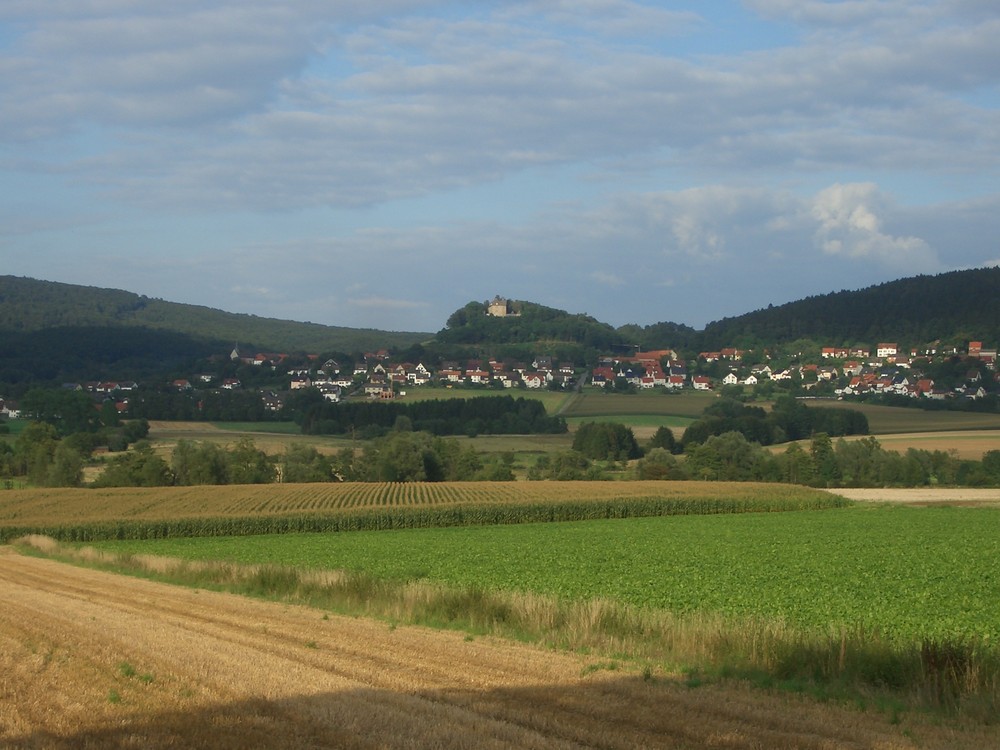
552	400
884	420
595	403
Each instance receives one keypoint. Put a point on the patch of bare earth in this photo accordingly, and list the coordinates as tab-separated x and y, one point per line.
95	660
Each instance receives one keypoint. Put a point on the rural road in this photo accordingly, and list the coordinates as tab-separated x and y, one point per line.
92	659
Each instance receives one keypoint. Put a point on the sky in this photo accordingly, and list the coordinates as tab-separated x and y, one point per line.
380	164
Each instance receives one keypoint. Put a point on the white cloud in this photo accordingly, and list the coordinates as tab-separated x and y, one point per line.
849	225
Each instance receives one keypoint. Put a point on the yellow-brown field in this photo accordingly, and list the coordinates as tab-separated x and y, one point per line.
94	660
85	505
966	444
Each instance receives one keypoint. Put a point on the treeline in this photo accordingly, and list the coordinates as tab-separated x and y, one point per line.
824	463
401	456
218	405
788	419
481	415
79	353
730	457
45	458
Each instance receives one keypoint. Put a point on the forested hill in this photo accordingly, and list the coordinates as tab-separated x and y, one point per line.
528	324
28	305
956	306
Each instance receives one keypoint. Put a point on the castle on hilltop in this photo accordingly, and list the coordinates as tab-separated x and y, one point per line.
500	308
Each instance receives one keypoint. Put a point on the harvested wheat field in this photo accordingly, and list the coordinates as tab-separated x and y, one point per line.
91	659
988	496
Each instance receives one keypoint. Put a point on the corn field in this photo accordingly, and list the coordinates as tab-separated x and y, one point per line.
129	513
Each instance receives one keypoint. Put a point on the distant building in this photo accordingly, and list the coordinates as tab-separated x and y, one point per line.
500	308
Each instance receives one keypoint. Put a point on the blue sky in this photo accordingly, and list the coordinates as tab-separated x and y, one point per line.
380	164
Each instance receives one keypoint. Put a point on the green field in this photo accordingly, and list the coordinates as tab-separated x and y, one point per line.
552	399
901	573
595	403
886	420
276	428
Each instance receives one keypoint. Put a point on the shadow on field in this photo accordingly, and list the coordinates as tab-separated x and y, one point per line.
603	710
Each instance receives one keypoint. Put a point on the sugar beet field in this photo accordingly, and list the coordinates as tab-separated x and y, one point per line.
903	574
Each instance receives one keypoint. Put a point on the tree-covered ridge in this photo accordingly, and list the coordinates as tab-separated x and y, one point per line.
77	353
956	307
530	324
31	305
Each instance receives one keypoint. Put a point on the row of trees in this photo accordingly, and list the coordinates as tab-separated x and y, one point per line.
401	456
825	463
495	415
789	419
45	458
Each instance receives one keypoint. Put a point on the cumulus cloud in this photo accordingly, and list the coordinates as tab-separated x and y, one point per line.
849	225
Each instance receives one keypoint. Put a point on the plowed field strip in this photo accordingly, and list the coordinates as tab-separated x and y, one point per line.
224	671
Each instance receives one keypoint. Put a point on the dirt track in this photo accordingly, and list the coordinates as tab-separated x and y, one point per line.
90	659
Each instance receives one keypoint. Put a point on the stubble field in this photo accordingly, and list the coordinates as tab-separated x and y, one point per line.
93	660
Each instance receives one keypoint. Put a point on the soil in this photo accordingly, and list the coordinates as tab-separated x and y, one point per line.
90	659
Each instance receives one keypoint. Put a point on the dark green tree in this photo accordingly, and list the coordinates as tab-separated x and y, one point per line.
139	467
826	472
664	438
66	468
199	463
606	441
34	450
659	463
247	464
66	410
303	463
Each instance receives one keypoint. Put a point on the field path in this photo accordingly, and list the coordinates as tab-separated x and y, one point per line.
92	659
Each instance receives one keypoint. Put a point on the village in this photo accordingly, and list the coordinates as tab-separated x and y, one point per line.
837	372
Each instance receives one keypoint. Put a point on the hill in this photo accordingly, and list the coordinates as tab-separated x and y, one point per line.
29	305
951	307
525	328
